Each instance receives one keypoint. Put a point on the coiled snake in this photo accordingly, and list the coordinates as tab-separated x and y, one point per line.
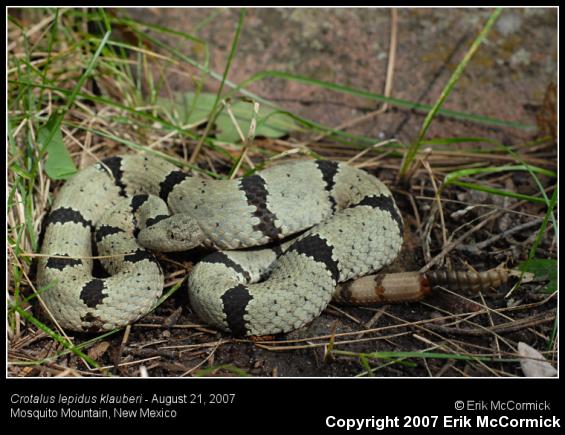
124	207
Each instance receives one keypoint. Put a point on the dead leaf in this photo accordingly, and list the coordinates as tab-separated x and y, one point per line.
171	321
98	350
533	363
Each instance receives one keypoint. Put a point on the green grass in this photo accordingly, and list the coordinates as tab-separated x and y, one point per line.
210	371
54	335
453	178
215	111
54	110
408	160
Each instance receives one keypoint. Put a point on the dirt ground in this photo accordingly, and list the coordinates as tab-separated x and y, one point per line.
507	79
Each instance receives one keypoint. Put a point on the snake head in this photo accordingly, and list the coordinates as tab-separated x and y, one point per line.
178	232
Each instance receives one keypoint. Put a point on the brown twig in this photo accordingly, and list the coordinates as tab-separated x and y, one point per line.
481	245
502	328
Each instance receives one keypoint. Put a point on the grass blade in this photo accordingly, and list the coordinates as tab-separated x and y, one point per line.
58	115
413	150
397	102
215	112
53	334
453	178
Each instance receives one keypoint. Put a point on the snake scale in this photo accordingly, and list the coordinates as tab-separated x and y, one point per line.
324	223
